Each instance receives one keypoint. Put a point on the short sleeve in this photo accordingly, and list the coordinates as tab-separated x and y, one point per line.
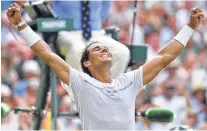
136	76
76	80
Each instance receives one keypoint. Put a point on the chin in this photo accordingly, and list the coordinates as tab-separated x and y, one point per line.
106	61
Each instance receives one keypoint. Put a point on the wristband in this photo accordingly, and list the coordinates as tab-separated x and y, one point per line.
29	36
184	35
20	24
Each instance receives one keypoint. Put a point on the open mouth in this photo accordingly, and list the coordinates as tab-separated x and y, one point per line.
105	55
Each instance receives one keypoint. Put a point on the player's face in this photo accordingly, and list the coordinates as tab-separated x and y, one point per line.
99	54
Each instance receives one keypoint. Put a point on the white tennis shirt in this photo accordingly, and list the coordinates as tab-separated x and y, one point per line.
106	106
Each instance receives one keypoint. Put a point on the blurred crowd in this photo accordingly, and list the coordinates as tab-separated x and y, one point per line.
180	87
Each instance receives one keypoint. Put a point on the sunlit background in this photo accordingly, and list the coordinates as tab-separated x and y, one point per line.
180	87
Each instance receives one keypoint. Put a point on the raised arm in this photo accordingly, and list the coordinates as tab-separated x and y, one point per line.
39	46
173	48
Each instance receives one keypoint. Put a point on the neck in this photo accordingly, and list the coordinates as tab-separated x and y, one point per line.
102	74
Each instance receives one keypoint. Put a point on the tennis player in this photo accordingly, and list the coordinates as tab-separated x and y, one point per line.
104	103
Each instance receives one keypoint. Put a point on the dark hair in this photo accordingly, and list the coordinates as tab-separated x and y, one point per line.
85	56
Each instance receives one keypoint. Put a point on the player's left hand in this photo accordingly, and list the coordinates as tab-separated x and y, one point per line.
196	16
14	13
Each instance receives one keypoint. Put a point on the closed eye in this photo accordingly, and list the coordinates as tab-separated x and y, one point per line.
96	48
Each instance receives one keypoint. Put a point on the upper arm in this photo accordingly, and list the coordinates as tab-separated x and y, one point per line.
57	64
152	68
60	67
164	57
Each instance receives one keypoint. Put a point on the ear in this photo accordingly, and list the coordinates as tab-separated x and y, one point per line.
87	63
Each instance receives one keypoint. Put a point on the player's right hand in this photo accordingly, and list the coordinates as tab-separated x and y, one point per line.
14	14
196	16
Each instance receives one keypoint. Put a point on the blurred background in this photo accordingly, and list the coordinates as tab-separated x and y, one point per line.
181	87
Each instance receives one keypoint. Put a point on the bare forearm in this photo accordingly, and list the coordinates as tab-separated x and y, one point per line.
37	44
170	52
40	48
58	65
166	55
172	49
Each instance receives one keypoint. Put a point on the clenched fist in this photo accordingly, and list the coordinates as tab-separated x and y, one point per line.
14	14
196	17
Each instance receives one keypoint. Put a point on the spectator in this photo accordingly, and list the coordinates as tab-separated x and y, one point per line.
170	100
203	126
31	92
189	64
166	33
31	70
156	22
190	120
121	16
8	31
8	74
198	104
139	32
66	105
10	122
141	122
181	13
